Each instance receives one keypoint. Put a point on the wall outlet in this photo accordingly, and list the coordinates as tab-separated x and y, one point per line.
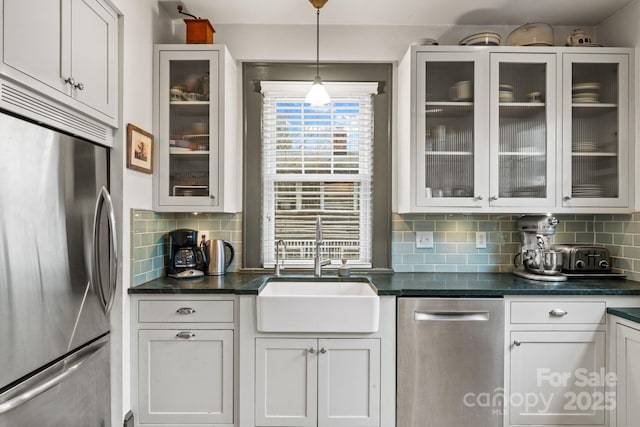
481	239
424	239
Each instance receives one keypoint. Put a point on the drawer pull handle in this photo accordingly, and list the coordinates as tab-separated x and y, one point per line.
185	335
185	310
517	343
556	312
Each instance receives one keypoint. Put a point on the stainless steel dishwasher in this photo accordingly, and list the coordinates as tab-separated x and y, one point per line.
450	362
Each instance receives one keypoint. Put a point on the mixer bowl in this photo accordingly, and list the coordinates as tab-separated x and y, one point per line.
546	262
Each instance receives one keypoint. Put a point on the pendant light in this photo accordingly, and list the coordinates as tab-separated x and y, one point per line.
317	95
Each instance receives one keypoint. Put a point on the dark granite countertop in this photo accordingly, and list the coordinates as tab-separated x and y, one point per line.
226	284
629	313
405	284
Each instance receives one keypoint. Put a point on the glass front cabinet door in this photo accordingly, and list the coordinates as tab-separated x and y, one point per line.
191	135
523	130
596	131
449	153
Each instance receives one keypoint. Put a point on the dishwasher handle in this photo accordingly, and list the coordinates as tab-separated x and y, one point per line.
452	316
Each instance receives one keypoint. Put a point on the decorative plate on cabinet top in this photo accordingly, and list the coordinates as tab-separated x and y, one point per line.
425	42
532	34
487	38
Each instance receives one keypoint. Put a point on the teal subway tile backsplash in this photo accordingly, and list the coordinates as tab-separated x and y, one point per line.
150	239
454	240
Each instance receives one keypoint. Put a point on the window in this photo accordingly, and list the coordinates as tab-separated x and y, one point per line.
301	162
317	161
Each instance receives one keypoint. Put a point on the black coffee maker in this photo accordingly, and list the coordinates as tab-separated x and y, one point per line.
186	258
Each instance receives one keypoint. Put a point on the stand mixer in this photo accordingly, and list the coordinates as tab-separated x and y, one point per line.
537	260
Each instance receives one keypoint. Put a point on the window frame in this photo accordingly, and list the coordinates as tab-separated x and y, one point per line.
253	74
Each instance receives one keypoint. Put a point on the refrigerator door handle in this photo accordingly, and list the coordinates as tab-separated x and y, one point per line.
50	377
107	300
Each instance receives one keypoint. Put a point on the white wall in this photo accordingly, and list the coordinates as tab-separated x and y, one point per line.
141	25
621	29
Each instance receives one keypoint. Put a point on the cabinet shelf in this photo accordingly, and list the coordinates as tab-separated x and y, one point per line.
588	110
189	103
448	153
187	152
597	154
448	109
523	153
521	109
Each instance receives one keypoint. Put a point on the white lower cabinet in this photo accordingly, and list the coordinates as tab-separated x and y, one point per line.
628	375
183	361
317	382
556	359
186	376
550	377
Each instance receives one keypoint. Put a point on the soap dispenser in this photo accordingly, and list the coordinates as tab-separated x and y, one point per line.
344	270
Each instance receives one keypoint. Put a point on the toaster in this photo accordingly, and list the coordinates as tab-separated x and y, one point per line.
580	258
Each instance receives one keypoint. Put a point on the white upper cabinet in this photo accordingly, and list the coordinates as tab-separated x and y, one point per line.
499	129
523	130
450	152
195	128
67	51
93	56
596	130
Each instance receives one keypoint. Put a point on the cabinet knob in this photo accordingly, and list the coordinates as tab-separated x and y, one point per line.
566	198
517	343
323	350
212	196
556	312
185	335
479	197
312	350
493	198
70	80
79	86
185	310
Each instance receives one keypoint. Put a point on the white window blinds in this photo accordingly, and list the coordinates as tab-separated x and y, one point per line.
317	161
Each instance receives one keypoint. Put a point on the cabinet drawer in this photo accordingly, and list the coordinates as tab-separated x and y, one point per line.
185	311
558	312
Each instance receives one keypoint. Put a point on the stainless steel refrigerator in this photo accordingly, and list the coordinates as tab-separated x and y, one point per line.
58	271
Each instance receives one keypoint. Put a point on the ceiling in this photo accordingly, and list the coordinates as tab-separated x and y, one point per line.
402	12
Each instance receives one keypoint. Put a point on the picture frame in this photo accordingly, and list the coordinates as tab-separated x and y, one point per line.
139	149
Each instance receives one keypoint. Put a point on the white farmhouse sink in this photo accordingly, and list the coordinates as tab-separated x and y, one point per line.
318	306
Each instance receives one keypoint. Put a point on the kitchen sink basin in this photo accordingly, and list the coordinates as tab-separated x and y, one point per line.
308	305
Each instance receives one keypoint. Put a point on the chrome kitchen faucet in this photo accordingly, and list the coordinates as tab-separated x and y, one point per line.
276	272
318	262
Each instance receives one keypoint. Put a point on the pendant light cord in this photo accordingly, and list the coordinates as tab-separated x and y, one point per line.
317	42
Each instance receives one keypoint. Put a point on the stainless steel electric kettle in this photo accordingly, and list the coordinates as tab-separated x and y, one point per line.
216	254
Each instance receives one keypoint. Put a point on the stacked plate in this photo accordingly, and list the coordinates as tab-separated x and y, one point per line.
584	147
587	190
505	93
585	92
487	38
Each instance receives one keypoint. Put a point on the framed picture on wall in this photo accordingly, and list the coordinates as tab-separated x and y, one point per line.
139	149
